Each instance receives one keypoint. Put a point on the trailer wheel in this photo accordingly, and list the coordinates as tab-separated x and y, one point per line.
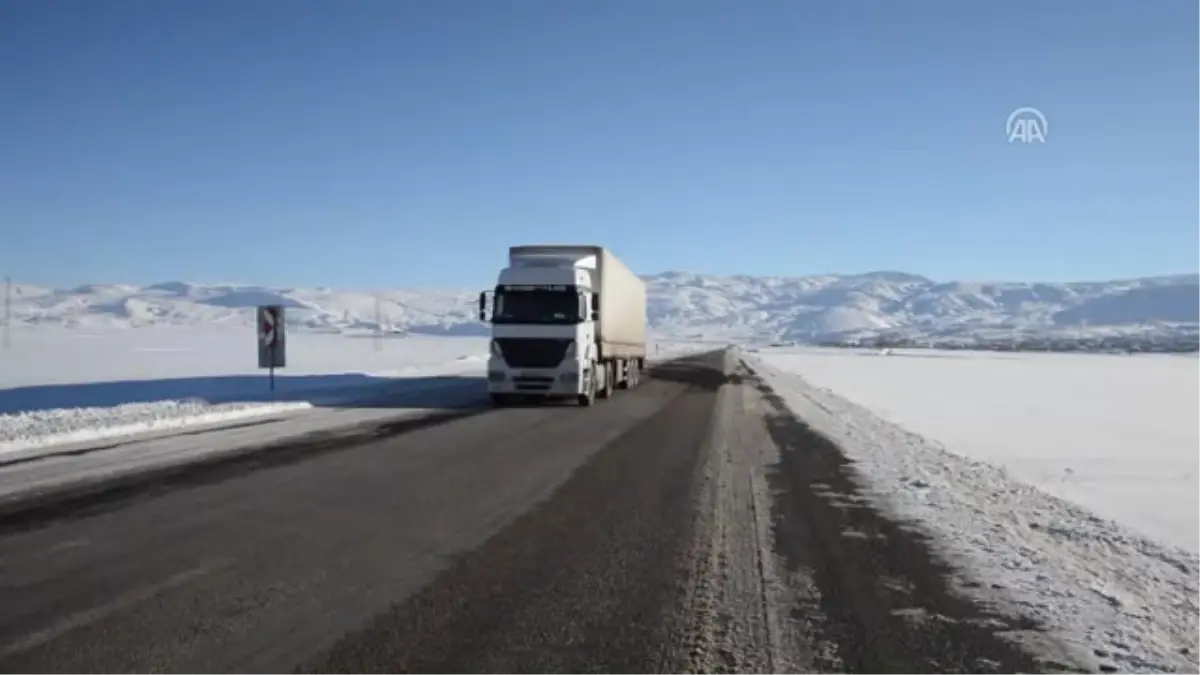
634	375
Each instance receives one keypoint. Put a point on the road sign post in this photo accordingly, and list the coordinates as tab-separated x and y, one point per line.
7	313
272	339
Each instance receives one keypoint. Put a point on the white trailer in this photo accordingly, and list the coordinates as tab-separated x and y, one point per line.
567	322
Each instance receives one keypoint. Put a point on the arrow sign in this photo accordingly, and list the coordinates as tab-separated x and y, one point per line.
272	337
267	326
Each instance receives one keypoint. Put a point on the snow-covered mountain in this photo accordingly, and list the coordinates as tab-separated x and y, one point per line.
680	304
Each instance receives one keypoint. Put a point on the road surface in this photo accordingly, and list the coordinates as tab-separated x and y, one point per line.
688	525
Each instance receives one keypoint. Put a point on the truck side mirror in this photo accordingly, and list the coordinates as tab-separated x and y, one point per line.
483	305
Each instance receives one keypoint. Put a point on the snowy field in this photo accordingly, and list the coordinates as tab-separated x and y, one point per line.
68	386
1119	435
1068	481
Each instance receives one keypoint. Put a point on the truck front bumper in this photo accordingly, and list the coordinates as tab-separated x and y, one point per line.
566	380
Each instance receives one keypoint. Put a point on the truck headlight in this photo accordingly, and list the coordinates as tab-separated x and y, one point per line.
495	348
570	349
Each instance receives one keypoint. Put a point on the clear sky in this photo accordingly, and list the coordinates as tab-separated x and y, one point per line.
401	143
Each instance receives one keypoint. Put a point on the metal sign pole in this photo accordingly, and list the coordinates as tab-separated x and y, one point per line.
7	312
273	346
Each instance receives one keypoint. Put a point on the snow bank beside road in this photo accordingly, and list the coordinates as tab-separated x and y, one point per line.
128	382
1115	434
135	381
1121	600
42	428
45	428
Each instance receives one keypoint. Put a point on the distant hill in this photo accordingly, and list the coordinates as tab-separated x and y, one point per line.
680	303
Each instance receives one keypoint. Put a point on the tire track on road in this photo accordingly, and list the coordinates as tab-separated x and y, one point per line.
322	547
692	525
738	600
589	581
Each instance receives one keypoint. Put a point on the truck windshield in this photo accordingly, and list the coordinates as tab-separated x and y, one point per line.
536	304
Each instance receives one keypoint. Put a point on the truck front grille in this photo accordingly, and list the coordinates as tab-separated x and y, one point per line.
533	382
532	352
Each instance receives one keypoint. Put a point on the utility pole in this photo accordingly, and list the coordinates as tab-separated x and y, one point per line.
378	324
7	312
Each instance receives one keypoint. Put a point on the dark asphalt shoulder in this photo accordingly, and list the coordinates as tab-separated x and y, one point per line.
886	600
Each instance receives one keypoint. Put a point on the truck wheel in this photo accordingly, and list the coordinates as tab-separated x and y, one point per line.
588	397
634	375
607	389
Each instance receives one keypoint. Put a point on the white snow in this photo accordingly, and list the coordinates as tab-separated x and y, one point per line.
52	355
957	442
1116	434
60	386
68	386
678	303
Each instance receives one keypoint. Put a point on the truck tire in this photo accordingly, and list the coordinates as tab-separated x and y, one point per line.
588	397
634	374
610	372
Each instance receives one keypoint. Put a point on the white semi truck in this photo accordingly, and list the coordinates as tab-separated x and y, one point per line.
567	322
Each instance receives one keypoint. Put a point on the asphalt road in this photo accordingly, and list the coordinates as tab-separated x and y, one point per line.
688	525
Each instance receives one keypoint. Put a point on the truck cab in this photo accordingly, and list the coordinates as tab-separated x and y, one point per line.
547	328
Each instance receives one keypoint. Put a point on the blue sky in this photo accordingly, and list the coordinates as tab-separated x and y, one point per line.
392	143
